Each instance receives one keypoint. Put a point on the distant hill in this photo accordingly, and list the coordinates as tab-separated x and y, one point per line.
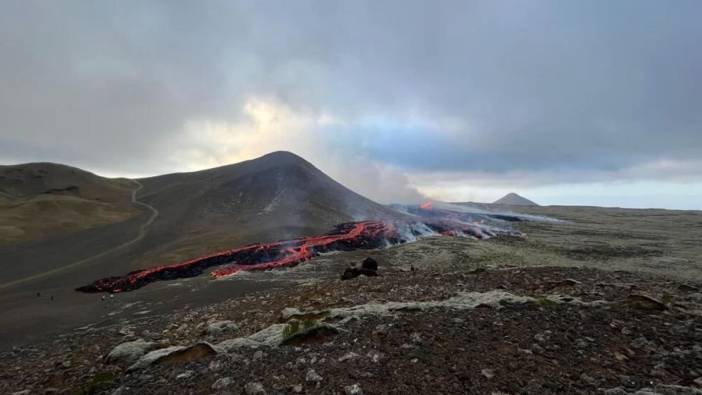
512	199
40	200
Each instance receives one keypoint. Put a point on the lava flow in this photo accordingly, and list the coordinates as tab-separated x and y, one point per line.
263	256
260	256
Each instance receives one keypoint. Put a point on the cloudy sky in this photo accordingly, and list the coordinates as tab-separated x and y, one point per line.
566	102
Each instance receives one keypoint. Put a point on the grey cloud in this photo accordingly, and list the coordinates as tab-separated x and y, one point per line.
589	86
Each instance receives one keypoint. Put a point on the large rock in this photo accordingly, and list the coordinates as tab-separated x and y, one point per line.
220	327
271	336
130	351
369	264
369	267
175	355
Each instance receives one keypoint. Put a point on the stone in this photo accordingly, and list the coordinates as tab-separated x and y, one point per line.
222	383
290	312
185	375
369	267
353	389
489	373
258	355
619	356
254	389
271	336
313	377
219	327
369	264
347	356
174	355
129	351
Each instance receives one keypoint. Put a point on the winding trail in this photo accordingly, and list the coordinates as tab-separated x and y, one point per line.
140	235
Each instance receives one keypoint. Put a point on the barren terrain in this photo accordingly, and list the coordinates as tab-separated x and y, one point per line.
608	302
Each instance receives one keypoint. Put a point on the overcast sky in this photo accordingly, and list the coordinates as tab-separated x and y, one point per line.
566	102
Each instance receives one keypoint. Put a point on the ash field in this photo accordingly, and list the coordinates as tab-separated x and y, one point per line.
459	298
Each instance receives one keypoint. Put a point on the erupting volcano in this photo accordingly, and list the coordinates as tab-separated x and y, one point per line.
263	256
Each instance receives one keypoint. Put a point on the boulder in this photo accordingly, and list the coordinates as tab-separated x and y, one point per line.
175	355
369	267
370	264
130	351
220	327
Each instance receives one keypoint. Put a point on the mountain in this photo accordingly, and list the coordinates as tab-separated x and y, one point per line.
39	200
512	199
172	217
162	220
277	196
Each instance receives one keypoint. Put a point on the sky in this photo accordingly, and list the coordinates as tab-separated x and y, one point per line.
565	102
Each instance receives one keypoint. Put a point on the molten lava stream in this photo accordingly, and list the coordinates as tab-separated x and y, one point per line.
311	246
261	256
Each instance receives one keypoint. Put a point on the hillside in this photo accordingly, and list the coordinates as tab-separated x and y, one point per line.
512	199
42	200
118	225
177	216
276	196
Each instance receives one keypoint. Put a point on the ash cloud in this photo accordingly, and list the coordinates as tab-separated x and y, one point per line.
547	90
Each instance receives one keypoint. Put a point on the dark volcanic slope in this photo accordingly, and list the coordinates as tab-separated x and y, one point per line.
276	196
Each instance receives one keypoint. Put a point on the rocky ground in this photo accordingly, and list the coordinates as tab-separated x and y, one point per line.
583	307
538	330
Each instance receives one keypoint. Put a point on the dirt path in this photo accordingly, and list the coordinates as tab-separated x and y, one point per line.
140	235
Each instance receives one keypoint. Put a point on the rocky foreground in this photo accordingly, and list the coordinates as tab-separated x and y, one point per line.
535	330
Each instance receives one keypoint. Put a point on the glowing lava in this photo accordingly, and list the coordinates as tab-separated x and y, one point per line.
260	256
263	256
426	205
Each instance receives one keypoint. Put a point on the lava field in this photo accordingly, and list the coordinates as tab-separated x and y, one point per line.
263	256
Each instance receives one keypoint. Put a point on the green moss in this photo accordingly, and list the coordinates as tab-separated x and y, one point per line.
545	302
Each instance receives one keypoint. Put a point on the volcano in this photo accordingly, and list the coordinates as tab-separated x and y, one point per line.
167	218
274	197
513	199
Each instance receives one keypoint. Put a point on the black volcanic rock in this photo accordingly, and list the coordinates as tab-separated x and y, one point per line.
370	264
369	267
